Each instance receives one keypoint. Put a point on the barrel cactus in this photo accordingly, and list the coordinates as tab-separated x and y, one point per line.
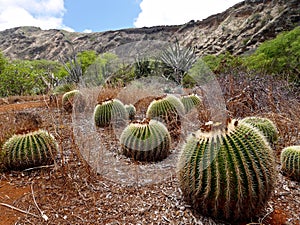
169	110
108	112
131	111
33	149
227	174
148	140
290	161
190	102
69	98
266	126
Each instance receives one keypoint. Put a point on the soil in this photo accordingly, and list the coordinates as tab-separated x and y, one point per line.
70	192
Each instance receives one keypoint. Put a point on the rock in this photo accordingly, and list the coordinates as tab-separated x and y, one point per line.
238	29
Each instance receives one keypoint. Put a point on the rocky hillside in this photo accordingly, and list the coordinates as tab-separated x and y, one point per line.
238	29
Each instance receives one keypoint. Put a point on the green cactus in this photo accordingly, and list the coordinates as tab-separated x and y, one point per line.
148	140
227	174
168	109
131	111
190	102
110	112
290	161
29	150
69	98
266	126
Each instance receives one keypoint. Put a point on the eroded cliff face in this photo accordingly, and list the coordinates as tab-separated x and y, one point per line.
239	29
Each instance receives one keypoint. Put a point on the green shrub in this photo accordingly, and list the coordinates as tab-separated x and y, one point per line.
29	150
290	161
227	174
110	112
148	140
265	125
278	56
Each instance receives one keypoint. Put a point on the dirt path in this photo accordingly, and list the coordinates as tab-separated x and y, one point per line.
22	105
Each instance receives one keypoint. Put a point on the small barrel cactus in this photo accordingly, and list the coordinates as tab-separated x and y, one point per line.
290	161
29	150
265	125
190	102
131	111
148	140
169	109
227	174
69	98
110	112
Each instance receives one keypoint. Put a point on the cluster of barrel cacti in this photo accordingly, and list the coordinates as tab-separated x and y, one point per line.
227	174
290	161
33	149
169	110
147	140
190	102
110	112
69	98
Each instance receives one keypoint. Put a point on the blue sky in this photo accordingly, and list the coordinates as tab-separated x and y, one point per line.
104	15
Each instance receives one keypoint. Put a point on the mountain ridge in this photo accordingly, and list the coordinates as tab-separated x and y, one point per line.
239	29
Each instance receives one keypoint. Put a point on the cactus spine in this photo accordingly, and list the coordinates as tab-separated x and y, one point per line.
169	110
227	174
190	102
266	126
69	98
148	140
131	111
110	112
290	161
29	150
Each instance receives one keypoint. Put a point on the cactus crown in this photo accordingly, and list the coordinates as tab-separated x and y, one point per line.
190	102
227	174
28	150
266	126
68	100
169	110
108	112
147	140
131	111
290	161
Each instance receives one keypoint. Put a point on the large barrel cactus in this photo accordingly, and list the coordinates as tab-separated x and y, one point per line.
169	110
190	102
148	140
29	150
131	111
110	112
69	98
265	125
290	161
227	174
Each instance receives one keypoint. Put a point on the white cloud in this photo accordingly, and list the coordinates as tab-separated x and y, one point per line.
175	12
46	14
87	31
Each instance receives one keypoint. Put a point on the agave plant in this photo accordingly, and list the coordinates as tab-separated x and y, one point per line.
29	150
290	161
108	112
147	140
169	110
227	174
